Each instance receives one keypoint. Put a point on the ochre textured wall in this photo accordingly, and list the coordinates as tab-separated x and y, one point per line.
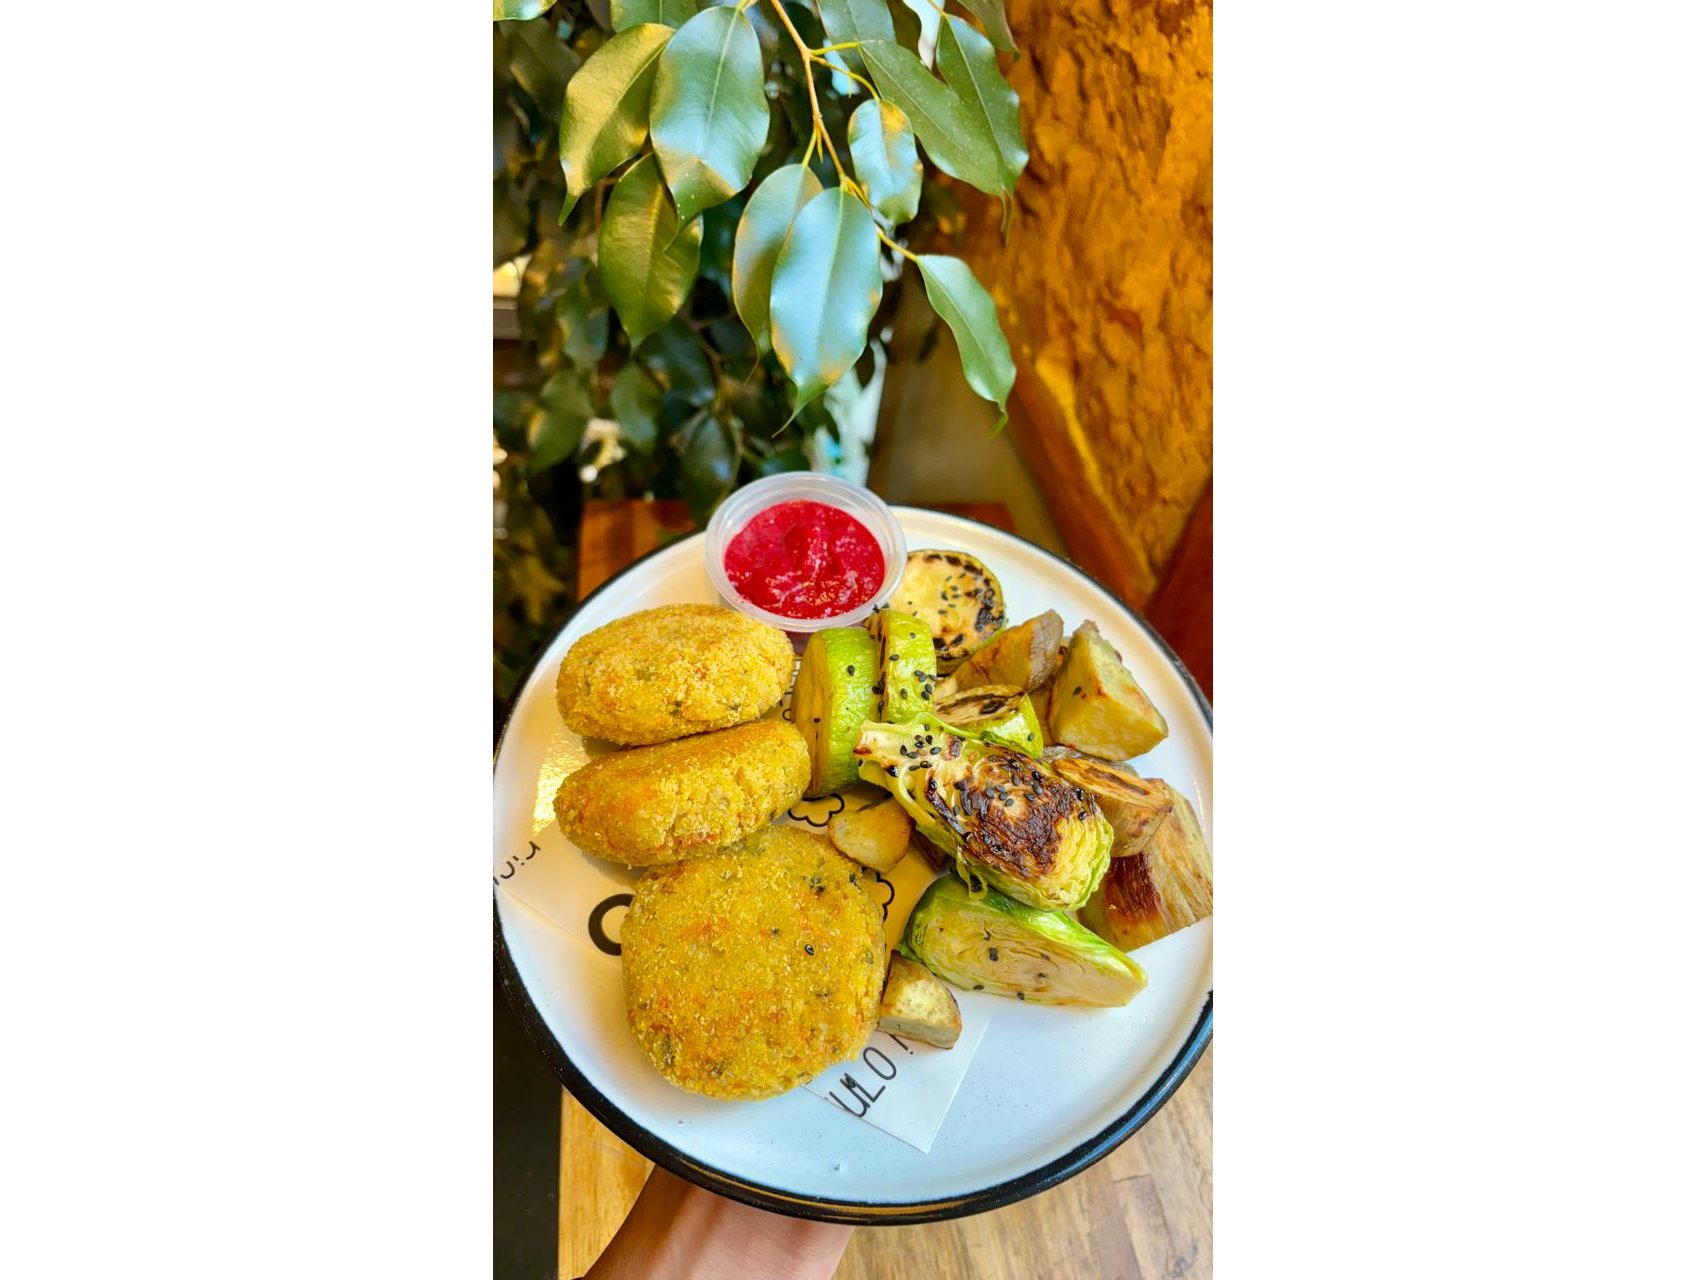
1105	284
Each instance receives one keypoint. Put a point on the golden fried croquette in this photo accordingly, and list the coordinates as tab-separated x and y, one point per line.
749	971
680	799
665	673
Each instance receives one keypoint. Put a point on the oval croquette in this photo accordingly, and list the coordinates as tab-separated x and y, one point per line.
680	799
749	971
665	673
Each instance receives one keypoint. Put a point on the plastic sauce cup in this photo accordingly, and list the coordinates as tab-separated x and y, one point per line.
804	486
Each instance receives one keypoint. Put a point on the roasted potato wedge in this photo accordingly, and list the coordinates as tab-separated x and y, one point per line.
1096	706
1135	806
874	834
918	1005
1163	889
1022	655
956	596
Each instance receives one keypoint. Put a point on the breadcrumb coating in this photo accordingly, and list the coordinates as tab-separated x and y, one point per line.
680	799
665	673
749	971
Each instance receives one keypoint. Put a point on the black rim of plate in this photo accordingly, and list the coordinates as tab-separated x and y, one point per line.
774	1199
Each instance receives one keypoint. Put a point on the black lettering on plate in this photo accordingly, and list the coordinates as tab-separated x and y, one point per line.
859	1092
595	923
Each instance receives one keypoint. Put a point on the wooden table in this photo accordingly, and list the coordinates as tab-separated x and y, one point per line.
1144	1213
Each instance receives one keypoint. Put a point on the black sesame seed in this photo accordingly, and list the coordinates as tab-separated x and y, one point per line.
849	669
994	954
935	751
774	932
977	986
809	950
1020	994
1077	689
817	719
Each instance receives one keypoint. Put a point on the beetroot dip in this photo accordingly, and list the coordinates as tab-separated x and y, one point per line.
804	559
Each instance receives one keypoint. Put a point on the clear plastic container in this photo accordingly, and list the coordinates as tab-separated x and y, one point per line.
804	486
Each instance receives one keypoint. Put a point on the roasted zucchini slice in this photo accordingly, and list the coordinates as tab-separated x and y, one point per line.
956	596
834	694
906	677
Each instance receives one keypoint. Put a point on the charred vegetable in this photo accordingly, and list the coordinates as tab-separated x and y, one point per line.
1163	889
998	713
1097	707
1135	806
917	1005
906	679
956	596
834	695
995	944
1005	819
1025	655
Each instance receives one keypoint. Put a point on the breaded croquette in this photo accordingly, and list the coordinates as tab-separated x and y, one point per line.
749	971
680	799
665	673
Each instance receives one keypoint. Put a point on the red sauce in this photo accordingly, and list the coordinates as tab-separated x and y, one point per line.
804	560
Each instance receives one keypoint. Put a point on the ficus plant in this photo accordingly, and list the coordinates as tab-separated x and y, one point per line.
712	196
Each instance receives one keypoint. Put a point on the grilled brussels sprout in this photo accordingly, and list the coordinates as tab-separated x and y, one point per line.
995	944
956	596
998	713
1005	819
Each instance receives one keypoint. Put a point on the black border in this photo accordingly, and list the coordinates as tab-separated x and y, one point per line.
857	1212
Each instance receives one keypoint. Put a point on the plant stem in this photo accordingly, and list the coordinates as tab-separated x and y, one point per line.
846	71
903	252
818	129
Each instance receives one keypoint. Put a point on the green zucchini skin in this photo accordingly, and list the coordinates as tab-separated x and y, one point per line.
834	694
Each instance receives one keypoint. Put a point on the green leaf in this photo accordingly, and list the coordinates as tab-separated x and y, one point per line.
966	305
542	64
967	62
825	291
709	113
605	108
907	26
583	321
647	268
557	423
950	129
708	461
635	400
763	227
502	9
678	363
631	13
845	20
993	15
885	157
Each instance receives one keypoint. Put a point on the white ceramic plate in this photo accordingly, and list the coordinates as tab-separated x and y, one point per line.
1049	1091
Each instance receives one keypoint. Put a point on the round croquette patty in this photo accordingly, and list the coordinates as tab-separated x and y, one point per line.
684	798
749	971
665	673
